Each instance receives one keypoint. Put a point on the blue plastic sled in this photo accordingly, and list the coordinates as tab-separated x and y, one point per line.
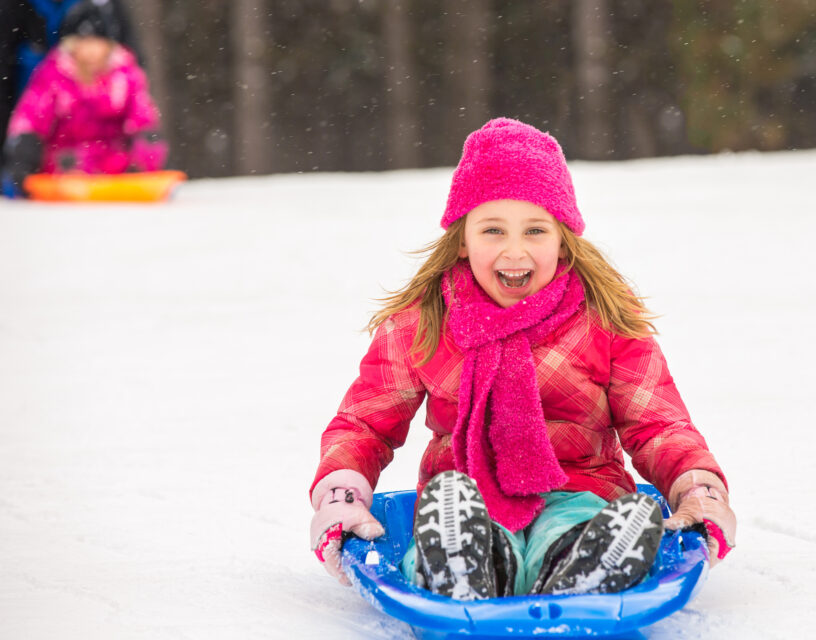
373	568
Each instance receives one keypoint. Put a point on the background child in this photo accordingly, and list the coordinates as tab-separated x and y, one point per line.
539	368
87	107
28	30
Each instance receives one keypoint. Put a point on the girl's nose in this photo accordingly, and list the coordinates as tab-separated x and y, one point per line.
514	248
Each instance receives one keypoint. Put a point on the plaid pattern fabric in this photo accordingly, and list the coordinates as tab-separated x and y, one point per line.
602	394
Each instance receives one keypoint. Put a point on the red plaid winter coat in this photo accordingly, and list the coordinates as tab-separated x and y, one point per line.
602	394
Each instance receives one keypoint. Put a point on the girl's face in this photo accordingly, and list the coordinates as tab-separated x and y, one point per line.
513	248
91	53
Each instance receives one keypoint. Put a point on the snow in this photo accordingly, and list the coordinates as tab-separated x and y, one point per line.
166	372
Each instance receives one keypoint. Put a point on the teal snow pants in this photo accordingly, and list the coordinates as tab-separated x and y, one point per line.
564	510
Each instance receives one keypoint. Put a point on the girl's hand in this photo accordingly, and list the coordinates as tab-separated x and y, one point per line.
699	496
341	500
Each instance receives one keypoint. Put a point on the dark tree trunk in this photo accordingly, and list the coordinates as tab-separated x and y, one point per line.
591	35
251	93
467	75
402	124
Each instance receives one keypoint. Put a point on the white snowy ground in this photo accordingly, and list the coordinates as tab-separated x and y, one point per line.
166	371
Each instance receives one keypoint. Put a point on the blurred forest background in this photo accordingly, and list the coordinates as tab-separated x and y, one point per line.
261	86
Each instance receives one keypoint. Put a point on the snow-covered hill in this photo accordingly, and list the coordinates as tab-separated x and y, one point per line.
166	371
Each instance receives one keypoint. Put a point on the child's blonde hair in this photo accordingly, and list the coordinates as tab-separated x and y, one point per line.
618	308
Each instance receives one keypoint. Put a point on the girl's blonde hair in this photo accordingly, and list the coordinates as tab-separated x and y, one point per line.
607	291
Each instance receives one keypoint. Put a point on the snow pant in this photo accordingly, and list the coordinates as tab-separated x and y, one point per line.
563	511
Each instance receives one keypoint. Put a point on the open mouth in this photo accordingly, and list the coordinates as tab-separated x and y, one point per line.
514	278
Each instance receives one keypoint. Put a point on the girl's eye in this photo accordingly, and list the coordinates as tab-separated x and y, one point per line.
535	231
492	230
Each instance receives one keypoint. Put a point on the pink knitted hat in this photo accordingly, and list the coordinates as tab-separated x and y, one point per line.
509	160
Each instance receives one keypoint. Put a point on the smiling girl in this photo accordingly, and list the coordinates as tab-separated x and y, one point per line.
540	370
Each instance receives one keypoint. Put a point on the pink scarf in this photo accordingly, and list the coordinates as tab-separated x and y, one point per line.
500	438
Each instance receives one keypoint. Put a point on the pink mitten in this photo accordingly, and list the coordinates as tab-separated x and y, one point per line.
148	152
341	501
700	496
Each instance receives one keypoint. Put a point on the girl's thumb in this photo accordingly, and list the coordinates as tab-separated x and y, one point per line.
366	526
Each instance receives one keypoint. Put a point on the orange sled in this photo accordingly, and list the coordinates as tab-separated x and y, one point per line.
123	187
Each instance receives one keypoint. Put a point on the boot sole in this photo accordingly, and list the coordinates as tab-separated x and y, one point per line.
453	538
614	552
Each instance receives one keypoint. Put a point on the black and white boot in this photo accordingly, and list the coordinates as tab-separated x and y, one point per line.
615	550
505	564
453	539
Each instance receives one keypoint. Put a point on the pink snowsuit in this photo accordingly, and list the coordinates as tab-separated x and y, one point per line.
93	126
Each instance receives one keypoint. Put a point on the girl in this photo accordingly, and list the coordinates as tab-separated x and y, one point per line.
87	107
540	369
